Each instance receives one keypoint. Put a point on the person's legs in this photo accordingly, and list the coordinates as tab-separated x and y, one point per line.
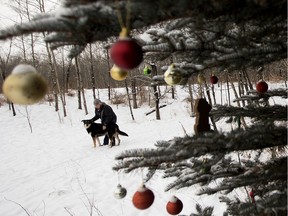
106	140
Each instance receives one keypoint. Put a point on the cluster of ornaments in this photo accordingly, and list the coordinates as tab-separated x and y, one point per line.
201	79
126	55
25	86
143	198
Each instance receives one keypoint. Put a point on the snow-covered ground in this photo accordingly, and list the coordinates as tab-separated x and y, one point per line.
55	171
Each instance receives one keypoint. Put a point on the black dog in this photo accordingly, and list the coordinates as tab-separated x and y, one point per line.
96	130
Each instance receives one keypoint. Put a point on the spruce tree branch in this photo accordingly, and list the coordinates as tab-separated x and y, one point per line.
276	112
275	202
96	20
187	147
270	171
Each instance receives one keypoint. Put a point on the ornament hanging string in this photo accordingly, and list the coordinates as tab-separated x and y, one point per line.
128	15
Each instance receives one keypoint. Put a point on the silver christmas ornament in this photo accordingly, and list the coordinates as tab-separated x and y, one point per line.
120	192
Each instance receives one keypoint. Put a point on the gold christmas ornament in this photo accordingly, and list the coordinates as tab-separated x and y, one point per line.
172	76
25	85
201	78
118	73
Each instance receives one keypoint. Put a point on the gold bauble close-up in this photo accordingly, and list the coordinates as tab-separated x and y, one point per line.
118	73
201	78
25	86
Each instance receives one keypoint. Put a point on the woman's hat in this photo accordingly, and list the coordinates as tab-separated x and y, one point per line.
97	101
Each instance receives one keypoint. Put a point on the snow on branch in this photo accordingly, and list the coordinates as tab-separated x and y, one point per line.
271	203
180	149
96	20
276	112
220	42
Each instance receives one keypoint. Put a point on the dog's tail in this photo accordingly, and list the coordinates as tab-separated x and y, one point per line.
122	133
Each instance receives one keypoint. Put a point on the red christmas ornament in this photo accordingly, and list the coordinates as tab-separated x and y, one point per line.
126	53
143	198
213	79
251	194
262	87
174	206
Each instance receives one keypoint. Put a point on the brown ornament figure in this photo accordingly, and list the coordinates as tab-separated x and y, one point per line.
202	108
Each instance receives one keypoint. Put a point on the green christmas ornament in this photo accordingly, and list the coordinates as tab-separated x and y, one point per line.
147	71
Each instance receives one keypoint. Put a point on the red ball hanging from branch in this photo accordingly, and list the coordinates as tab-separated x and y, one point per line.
213	79
251	194
174	206
143	198
126	53
261	87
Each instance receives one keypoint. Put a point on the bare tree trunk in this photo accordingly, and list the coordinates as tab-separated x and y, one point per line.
22	37
67	75
241	86
235	93
238	103
108	65
31	35
228	91
133	87
191	95
173	92
156	93
213	94
210	102
4	64
52	66
57	83
92	71
53	77
80	86
63	75
130	107
248	81
221	92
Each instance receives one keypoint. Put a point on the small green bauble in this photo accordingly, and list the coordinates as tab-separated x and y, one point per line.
147	71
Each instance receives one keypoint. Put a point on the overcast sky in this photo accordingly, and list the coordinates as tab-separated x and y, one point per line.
9	17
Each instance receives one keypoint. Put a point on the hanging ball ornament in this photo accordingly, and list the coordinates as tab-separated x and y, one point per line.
251	194
143	198
213	79
261	86
174	206
126	53
172	76
200	78
120	192
25	85
147	70
118	73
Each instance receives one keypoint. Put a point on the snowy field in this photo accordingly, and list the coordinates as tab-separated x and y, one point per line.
55	171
